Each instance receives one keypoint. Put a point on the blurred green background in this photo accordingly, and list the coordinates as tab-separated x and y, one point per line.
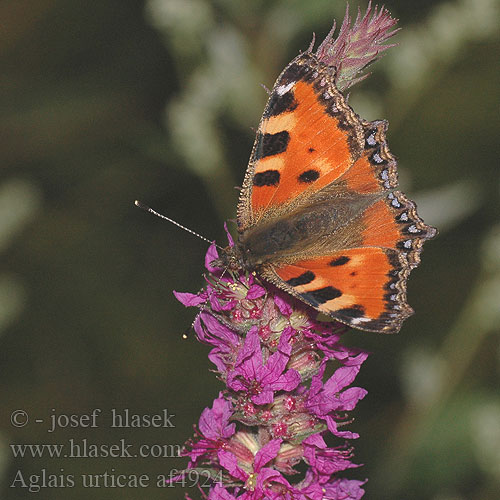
103	102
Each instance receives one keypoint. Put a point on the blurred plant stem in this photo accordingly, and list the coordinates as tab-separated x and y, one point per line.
480	317
427	50
19	202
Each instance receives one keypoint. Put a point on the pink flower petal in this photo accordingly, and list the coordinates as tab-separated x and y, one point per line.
229	237
189	299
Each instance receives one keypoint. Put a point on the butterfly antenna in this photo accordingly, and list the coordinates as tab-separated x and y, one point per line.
154	212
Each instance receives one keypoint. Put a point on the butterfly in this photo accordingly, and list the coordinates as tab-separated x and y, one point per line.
319	213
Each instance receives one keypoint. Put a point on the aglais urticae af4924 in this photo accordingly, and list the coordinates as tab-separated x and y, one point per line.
319	214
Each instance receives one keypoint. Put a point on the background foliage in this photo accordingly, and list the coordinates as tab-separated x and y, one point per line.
107	101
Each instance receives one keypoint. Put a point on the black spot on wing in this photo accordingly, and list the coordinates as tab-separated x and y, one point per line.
274	144
321	295
267	178
339	261
279	104
355	311
308	176
303	279
294	72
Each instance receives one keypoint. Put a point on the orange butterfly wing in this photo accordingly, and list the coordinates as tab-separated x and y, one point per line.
308	137
351	286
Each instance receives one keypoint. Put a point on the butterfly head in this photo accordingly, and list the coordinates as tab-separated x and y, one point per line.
231	258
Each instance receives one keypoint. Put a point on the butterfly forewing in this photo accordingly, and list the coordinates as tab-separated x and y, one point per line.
308	137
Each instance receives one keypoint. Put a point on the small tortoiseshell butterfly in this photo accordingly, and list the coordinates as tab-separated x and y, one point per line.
319	215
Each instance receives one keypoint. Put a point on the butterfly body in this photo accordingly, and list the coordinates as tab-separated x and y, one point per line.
319	215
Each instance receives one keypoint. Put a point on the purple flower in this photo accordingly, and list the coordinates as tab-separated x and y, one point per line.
326	461
328	397
214	430
343	489
224	340
190	299
218	492
260	380
214	422
338	489
259	480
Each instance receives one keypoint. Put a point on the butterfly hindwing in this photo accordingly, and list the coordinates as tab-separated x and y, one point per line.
375	170
361	287
364	283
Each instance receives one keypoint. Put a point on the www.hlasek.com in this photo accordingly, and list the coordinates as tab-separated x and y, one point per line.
83	448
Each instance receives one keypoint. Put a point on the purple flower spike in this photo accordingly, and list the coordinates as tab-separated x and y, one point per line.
278	404
357	46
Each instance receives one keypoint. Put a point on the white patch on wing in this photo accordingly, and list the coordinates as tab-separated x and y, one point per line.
357	321
283	89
